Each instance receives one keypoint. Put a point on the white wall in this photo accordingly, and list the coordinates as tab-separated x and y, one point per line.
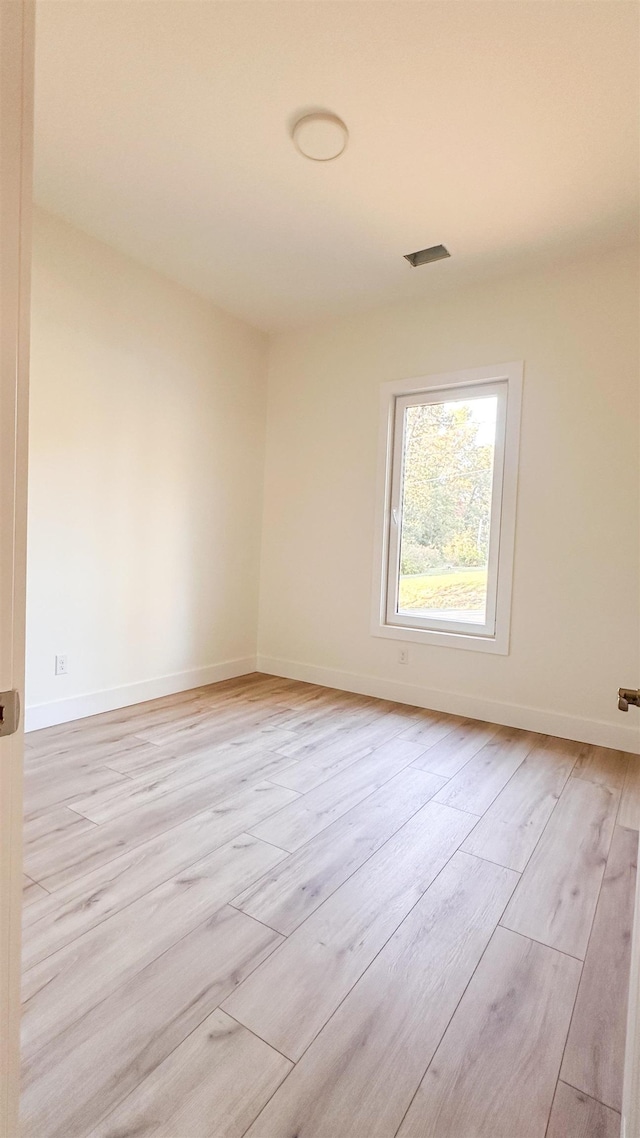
575	628
146	482
147	451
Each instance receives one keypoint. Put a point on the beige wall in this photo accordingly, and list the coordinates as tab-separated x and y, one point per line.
575	631
147	451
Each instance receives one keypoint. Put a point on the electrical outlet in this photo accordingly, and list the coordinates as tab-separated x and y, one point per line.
61	666
403	655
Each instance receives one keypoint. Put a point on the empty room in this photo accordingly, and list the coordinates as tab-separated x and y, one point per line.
319	587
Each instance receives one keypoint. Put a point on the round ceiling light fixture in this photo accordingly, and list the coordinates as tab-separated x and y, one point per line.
320	136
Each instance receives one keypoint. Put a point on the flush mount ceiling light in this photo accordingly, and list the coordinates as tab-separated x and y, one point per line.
425	256
320	136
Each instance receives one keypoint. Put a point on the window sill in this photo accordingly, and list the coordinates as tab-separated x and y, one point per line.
498	644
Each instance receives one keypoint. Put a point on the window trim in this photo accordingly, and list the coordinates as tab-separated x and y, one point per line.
406	391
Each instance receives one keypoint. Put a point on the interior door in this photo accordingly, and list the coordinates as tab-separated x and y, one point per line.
16	133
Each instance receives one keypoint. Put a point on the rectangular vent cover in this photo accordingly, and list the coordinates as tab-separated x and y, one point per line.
425	256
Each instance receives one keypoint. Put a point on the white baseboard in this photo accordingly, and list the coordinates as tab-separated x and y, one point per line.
78	707
619	736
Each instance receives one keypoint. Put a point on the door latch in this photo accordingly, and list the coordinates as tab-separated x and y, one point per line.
627	696
9	712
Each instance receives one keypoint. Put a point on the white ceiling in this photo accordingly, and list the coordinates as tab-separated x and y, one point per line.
506	130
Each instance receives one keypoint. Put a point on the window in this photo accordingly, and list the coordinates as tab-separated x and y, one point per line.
447	511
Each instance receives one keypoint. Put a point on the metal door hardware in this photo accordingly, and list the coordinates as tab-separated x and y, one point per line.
628	696
9	712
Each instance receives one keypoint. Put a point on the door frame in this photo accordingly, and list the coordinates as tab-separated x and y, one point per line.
16	150
631	1089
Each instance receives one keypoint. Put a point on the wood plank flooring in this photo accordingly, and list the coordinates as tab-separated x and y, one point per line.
271	909
495	1070
575	1115
595	1048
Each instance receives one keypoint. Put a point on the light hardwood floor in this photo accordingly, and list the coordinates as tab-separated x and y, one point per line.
271	909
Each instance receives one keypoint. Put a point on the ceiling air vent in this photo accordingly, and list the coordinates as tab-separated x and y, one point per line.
425	256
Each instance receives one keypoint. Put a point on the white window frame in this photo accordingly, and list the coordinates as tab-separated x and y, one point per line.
505	380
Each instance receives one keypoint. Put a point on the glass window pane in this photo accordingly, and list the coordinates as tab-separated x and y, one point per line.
447	475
